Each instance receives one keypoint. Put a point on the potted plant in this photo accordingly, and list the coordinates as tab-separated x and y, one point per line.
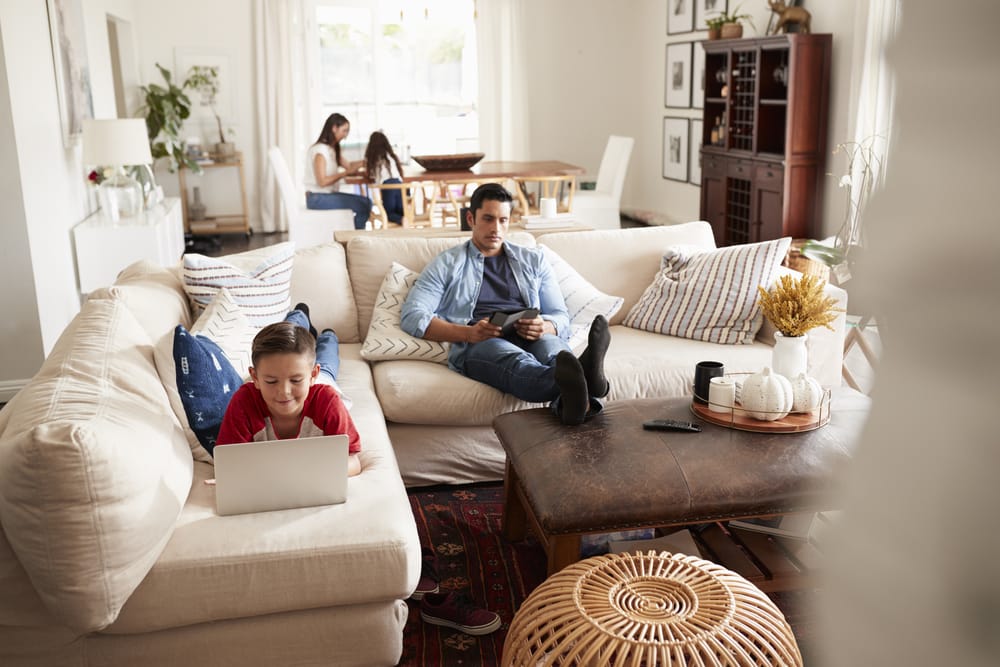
205	80
794	306
727	25
165	108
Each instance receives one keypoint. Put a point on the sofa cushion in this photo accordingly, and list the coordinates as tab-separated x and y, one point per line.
259	280
320	279
583	301
709	295
385	339
155	296
370	257
94	469
623	261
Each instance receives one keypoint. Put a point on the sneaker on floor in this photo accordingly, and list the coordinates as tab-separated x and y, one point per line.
428	576
451	611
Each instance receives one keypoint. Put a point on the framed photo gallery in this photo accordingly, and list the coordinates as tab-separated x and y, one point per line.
688	15
684	88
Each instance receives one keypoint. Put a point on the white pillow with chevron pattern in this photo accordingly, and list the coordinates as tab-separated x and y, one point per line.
385	340
224	322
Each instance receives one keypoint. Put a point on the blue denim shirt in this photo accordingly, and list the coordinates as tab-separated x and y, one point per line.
449	287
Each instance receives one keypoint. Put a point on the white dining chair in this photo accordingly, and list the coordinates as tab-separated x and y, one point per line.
306	227
600	208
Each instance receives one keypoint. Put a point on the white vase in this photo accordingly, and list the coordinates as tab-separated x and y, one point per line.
790	356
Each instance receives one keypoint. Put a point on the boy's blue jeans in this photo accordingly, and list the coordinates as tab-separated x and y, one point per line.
327	345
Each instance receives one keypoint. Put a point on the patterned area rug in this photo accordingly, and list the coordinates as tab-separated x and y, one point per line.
462	525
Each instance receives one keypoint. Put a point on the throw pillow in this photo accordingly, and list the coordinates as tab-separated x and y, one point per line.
583	301
385	340
206	382
225	324
258	280
709	295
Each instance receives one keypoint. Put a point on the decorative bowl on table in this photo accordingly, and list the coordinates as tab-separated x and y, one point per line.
453	162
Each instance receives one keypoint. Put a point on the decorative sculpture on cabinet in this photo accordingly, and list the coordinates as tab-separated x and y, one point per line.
789	15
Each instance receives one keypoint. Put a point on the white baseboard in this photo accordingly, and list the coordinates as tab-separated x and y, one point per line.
10	387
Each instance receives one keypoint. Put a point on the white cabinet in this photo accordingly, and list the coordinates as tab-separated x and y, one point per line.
104	248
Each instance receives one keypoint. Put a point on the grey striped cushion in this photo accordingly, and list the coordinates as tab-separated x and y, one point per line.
385	340
258	280
709	295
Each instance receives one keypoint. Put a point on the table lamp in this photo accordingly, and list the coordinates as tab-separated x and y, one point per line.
117	142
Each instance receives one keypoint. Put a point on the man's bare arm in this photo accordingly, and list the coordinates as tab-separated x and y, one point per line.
443	331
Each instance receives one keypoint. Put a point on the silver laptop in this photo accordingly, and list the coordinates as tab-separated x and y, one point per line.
280	474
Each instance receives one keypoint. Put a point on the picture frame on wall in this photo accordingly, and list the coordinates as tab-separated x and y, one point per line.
677	75
706	9
698	76
680	16
694	152
676	151
201	112
72	69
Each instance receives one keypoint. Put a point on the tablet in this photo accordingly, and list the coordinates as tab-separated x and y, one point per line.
506	320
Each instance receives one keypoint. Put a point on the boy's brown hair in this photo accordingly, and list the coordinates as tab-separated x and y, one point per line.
283	338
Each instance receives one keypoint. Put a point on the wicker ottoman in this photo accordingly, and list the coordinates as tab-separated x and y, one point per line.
652	609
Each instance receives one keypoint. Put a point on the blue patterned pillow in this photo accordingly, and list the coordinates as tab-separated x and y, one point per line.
206	381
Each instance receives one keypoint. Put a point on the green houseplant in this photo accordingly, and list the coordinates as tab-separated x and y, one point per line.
727	25
165	108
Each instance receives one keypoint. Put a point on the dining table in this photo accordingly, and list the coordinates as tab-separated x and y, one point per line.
447	187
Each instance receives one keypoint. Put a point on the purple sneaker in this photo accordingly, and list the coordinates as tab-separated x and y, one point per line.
428	576
451	611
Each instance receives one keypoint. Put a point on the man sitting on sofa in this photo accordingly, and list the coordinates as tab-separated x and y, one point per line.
456	294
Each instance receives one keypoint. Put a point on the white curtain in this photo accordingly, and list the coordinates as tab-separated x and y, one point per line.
280	39
503	89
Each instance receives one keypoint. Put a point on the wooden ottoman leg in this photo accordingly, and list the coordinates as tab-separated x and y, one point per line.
514	519
563	550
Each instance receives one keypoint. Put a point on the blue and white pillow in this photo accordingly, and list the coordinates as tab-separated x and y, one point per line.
206	382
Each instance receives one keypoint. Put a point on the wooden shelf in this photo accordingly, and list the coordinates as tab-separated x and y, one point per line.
226	223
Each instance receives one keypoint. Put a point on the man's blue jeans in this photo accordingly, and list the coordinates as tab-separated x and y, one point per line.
327	345
324	201
523	368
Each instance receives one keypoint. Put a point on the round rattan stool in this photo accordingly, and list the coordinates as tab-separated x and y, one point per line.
649	609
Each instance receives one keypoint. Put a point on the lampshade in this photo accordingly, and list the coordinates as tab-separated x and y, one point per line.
116	141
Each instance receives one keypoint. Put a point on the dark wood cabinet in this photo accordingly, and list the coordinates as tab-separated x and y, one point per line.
764	136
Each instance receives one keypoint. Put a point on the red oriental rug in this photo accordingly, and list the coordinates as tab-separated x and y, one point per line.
462	525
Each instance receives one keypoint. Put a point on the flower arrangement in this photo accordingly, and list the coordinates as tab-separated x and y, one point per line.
794	306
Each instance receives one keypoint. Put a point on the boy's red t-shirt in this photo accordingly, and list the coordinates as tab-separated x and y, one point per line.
247	418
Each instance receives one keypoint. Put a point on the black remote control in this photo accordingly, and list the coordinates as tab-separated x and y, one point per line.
670	425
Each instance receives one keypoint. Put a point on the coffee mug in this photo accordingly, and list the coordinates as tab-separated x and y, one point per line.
547	207
704	371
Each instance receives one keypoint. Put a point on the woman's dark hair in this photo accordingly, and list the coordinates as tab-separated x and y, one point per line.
378	152
282	338
488	192
326	136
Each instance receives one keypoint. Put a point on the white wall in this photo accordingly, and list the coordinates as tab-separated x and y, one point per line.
600	70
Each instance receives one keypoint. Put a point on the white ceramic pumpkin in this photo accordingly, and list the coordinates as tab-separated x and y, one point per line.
807	393
766	395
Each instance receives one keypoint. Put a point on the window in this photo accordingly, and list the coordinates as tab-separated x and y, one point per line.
406	68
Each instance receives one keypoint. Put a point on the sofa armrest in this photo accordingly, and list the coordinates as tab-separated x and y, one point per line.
826	347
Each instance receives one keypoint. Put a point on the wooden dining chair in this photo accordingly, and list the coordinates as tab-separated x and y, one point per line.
379	217
561	188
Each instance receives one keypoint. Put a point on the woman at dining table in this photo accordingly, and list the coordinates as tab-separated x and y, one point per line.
327	167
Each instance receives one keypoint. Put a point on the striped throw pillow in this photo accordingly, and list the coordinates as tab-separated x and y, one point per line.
583	301
709	295
258	280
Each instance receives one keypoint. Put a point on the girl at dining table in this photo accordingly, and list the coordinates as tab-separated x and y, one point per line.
327	166
382	165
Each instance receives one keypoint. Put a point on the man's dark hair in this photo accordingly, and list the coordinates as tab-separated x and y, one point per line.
490	192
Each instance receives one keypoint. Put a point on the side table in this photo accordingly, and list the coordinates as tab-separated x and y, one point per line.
219	223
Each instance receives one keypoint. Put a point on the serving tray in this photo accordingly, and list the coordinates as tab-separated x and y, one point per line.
737	418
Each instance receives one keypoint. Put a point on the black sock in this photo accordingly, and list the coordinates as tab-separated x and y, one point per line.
305	309
574	400
592	358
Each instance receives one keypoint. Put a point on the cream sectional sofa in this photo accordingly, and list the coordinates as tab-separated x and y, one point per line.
111	551
440	422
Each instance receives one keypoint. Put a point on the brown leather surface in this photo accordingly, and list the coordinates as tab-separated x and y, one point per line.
610	474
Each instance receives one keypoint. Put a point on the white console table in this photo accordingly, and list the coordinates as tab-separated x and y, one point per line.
104	248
